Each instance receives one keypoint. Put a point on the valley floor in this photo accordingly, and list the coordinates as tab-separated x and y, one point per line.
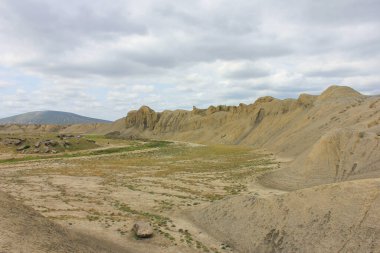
102	192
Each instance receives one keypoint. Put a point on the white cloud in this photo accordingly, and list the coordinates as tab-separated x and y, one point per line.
177	54
5	84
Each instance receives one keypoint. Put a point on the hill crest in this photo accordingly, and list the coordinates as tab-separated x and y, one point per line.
51	118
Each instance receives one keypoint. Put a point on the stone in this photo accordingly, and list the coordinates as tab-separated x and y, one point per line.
65	136
143	229
46	149
52	143
12	141
23	148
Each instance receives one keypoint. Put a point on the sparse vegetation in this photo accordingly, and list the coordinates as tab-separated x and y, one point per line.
165	176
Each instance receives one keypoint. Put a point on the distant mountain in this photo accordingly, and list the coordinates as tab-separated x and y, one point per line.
50	117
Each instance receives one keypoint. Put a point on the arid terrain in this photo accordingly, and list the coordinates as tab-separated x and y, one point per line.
293	175
103	191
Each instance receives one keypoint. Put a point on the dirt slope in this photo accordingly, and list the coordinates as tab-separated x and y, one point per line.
23	230
339	217
340	155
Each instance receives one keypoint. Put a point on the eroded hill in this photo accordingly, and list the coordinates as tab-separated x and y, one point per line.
327	138
339	217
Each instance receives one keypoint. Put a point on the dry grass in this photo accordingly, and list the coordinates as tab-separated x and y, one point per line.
144	180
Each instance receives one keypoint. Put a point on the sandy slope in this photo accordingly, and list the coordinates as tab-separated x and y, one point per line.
340	155
24	230
331	138
340	217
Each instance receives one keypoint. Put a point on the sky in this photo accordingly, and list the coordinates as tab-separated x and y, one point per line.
103	58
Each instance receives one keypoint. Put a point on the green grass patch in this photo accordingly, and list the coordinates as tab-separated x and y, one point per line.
150	144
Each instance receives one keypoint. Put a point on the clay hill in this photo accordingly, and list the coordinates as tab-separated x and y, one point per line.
50	118
340	217
329	145
328	138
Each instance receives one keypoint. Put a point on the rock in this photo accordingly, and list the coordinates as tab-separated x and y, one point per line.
13	141
52	143
46	149
65	136
143	229
23	148
37	145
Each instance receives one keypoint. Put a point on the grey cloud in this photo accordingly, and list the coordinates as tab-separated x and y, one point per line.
337	12
55	27
207	50
191	47
336	72
247	72
54	31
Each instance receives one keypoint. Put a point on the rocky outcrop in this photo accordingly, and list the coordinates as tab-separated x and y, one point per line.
22	148
13	141
142	119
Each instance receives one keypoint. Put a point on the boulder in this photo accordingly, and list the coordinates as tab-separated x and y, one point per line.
22	148
143	229
52	143
46	149
65	136
13	141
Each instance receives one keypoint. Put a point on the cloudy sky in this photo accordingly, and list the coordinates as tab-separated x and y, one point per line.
103	58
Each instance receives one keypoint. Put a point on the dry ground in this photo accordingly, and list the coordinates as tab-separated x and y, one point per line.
102	191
